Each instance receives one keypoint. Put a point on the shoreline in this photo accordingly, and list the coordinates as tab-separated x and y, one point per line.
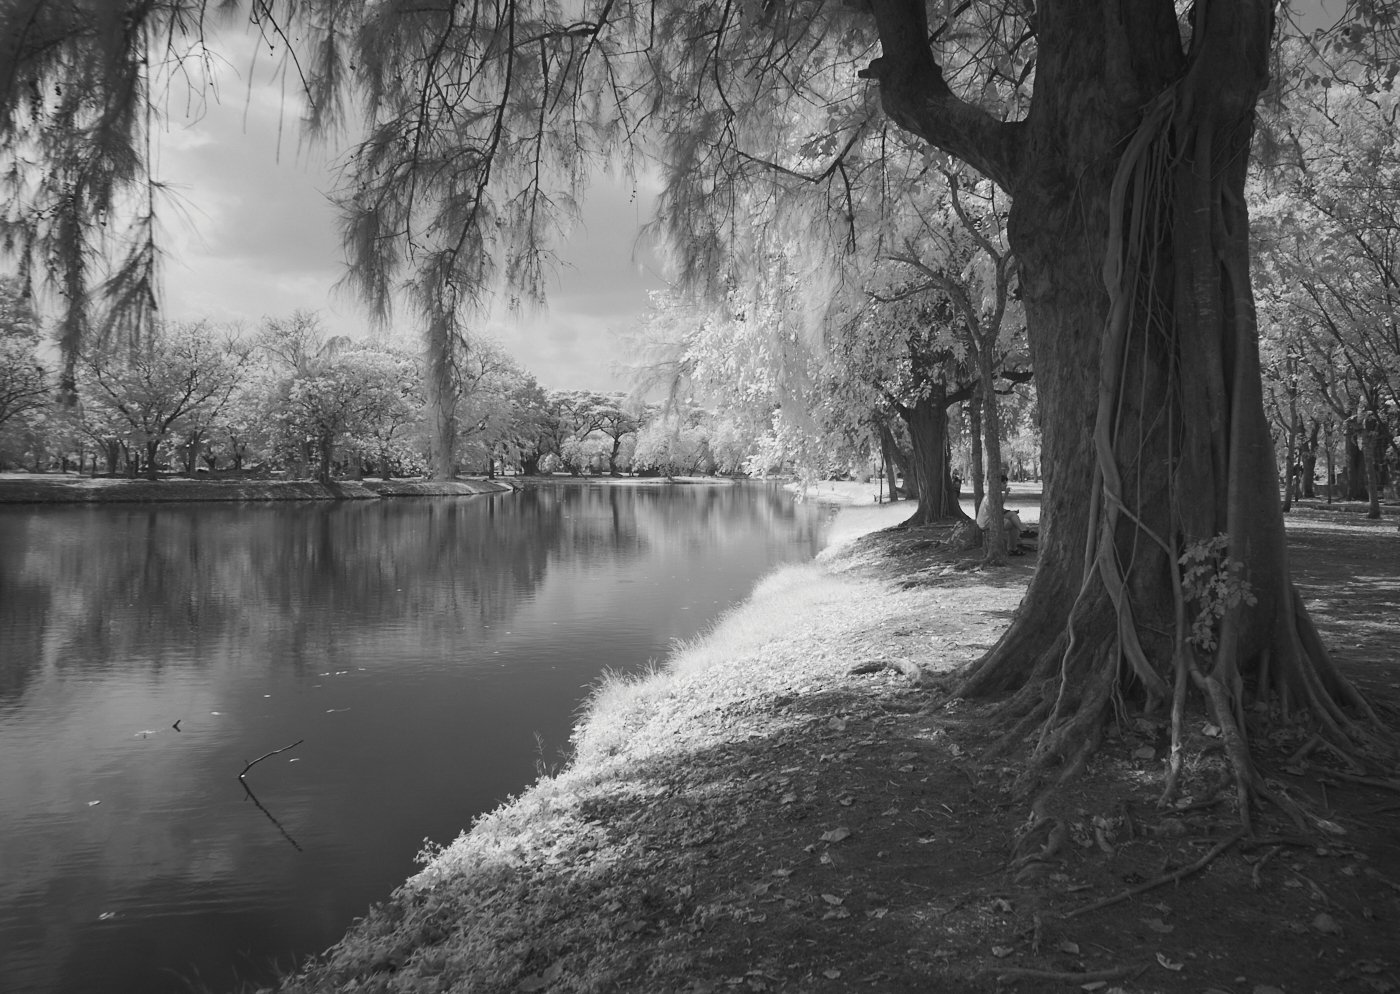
29	488
108	490
790	804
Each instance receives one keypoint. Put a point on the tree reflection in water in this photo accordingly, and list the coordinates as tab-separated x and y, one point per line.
417	645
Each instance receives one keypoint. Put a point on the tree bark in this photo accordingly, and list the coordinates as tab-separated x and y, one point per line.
1128	220
974	434
1309	462
1290	458
1355	467
443	393
1372	454
994	540
927	421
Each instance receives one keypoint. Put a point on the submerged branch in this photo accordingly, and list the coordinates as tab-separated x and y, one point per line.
268	755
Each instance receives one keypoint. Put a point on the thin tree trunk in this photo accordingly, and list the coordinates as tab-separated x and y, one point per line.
1309	462
443	396
1331	470
887	456
974	432
995	538
1355	467
1292	446
1370	443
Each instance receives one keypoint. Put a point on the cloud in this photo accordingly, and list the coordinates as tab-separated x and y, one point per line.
252	232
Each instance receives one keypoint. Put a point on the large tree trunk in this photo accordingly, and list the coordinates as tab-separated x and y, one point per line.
927	420
1129	222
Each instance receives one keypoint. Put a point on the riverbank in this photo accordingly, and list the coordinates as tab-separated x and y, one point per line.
781	807
24	488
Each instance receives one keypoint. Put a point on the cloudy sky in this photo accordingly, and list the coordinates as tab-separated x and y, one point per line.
251	233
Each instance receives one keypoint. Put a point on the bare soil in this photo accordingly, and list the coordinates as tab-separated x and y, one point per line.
803	818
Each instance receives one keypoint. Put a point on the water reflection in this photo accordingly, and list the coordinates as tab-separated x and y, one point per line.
416	645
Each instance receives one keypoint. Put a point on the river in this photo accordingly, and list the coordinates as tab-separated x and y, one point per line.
427	654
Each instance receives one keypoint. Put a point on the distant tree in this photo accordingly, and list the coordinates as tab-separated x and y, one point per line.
617	421
392	410
676	442
179	375
329	406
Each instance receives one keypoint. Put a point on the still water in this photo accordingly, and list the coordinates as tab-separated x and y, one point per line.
417	647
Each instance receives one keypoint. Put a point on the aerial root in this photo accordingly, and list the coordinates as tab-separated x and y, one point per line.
1168	878
1011	974
1034	717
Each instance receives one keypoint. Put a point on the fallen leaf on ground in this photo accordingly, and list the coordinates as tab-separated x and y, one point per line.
1073	949
1157	925
1168	963
1001	952
831	974
836	834
833	899
1094	985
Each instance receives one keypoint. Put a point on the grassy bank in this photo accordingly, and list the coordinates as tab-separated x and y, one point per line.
42	489
776	808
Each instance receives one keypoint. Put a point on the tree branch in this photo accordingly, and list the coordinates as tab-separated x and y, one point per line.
917	98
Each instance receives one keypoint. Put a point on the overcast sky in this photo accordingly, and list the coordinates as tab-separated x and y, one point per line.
253	234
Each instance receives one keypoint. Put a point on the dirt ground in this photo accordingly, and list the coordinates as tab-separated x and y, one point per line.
832	829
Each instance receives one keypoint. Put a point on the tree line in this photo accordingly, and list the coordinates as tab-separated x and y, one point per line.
289	399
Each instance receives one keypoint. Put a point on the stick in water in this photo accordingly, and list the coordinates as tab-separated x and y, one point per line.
267	755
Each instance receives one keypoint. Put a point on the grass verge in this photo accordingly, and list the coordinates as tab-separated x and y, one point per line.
776	809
